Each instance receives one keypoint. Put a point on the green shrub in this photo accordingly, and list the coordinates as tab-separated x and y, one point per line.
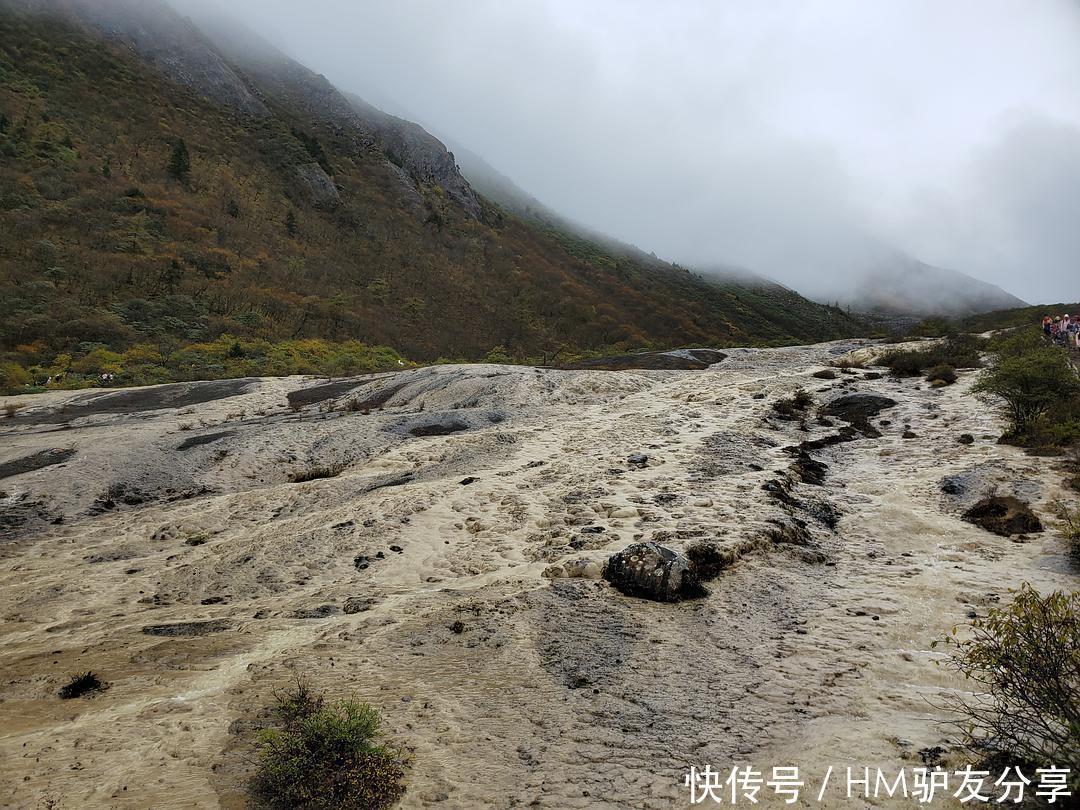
1037	389
958	351
943	374
324	756
1069	526
1024	661
13	377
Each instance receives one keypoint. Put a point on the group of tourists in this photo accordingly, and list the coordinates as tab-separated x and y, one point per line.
1063	329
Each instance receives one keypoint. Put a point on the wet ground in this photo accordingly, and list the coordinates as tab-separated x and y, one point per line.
172	555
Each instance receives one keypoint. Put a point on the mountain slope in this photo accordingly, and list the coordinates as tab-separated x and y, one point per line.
295	212
900	285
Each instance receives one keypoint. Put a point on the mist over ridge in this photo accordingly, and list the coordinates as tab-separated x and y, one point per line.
806	141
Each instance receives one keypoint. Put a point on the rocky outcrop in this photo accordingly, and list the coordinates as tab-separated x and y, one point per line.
1003	515
858	409
317	186
417	152
168	41
651	571
680	360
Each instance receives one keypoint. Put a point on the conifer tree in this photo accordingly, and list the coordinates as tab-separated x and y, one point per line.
180	162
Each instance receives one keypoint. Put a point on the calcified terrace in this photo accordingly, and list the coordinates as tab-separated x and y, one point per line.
158	538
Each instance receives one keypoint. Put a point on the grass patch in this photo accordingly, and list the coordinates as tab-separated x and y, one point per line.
317	472
322	755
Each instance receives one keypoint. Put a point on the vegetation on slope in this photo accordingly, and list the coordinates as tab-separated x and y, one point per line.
139	216
1036	388
998	319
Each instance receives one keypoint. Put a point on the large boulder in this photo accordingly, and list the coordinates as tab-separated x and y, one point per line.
1004	515
858	409
651	571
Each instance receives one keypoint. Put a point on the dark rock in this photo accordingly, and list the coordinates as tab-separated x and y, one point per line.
593	530
637	459
439	428
780	488
468	480
691	360
1003	515
908	434
457	627
758	395
825	374
320	612
825	512
206	438
200	628
651	571
578	680
212	600
872	375
953	485
858	409
396	549
965	438
36	461
792	533
809	470
707	560
356	604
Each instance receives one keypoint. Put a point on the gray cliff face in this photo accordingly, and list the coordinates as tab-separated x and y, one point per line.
317	185
421	156
164	39
418	151
230	65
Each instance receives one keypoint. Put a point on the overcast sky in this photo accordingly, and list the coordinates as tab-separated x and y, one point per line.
787	137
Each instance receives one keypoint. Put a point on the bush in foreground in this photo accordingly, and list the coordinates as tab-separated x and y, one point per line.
323	756
1024	660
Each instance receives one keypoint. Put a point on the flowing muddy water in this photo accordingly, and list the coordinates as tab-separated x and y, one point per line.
197	581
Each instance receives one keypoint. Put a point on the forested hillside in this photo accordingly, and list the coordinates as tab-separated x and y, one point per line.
156	196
